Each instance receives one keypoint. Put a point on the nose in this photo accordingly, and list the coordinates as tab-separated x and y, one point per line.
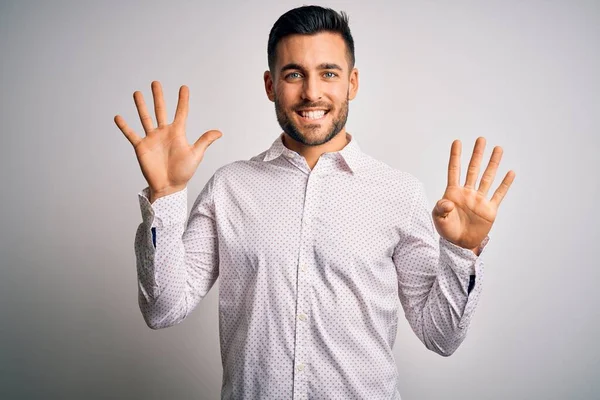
311	89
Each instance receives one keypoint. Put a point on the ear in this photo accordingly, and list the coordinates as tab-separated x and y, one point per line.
269	85
353	88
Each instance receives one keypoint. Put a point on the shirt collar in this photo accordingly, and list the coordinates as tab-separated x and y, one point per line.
350	153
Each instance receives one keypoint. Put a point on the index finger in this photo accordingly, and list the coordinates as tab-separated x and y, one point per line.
181	112
454	164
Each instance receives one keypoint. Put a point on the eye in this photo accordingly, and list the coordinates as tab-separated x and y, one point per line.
333	74
290	74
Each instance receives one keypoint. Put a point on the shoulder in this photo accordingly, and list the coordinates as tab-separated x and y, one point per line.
235	168
239	171
379	170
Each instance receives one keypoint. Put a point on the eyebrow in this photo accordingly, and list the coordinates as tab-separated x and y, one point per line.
300	67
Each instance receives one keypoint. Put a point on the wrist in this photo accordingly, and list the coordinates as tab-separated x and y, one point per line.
157	194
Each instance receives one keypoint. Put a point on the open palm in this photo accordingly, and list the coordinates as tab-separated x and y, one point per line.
167	161
464	216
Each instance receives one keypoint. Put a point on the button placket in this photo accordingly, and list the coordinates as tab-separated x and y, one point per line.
302	306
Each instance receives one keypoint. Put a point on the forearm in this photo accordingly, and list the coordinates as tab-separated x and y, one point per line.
162	276
442	323
439	282
450	302
175	272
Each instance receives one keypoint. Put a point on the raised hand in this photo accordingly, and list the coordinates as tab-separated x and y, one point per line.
463	215
167	161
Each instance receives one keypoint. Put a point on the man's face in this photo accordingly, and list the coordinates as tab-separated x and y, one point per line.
311	85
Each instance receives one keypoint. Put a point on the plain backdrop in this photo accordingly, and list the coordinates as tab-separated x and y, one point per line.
523	74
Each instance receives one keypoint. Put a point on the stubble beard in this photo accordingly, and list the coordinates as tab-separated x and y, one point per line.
287	124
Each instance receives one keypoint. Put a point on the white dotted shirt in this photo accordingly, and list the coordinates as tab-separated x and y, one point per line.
313	265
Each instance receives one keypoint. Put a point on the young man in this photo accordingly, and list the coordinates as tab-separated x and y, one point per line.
313	240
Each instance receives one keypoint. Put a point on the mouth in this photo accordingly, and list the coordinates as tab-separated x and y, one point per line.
312	115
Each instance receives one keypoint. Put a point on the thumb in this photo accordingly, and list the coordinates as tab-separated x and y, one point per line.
443	207
206	140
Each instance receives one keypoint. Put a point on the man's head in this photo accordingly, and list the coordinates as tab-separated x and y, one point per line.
311	67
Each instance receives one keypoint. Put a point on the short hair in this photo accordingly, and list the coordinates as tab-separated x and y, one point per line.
310	20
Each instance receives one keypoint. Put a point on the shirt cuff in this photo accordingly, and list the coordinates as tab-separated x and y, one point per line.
165	211
461	260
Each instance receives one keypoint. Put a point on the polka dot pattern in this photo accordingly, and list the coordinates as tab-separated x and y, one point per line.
313	266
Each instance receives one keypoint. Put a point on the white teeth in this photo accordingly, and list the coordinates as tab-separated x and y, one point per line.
313	114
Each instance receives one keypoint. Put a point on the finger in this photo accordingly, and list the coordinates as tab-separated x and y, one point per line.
490	172
503	188
142	111
454	164
206	140
473	169
133	138
182	105
159	104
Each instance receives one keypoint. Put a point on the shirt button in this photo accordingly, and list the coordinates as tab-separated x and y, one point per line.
300	367
303	267
302	317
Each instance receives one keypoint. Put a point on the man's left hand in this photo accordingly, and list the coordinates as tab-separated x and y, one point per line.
463	215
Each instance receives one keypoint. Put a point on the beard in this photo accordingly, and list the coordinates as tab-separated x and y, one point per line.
286	121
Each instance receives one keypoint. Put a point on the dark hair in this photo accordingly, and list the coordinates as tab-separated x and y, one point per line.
309	20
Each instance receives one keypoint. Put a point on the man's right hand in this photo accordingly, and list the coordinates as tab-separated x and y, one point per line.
168	162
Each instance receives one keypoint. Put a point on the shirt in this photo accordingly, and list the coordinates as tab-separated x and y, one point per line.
313	266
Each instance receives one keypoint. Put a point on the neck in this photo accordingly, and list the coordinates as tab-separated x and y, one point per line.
312	153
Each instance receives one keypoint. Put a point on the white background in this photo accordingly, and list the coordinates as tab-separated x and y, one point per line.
523	74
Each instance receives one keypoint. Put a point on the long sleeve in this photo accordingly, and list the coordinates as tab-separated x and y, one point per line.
439	283
177	263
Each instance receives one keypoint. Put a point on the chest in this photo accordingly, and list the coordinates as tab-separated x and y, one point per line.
337	216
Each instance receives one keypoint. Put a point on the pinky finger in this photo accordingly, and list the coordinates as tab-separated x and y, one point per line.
503	188
133	138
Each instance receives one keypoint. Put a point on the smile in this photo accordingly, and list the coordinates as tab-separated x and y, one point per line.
315	115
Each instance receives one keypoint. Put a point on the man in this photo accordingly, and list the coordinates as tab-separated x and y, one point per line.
313	240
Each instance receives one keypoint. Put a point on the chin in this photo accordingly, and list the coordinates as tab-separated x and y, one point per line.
316	138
